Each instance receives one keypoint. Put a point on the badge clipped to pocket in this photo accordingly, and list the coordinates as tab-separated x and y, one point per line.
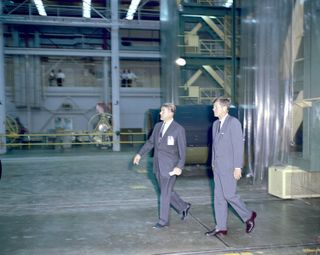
170	140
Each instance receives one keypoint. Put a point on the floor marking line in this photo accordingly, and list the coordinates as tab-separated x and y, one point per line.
208	229
222	251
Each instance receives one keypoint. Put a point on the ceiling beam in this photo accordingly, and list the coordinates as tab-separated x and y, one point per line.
77	22
81	53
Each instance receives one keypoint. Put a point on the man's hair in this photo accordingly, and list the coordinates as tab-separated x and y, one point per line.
170	106
223	101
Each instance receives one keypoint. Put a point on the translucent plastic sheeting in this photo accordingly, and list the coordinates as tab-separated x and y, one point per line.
279	88
265	91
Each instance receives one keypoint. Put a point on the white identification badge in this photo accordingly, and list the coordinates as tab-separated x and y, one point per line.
170	140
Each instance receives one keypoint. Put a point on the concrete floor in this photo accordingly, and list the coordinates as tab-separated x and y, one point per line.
95	202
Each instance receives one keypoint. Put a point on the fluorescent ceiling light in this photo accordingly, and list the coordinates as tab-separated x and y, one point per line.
86	8
132	9
40	7
228	3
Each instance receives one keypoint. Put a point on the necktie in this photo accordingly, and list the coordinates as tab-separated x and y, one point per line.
161	131
219	125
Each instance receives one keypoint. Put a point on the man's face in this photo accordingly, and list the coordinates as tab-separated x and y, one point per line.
165	114
219	110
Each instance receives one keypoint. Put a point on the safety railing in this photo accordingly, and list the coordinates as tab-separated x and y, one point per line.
208	94
213	48
30	9
221	3
69	138
208	47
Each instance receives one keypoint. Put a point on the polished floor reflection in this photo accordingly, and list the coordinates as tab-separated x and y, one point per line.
96	202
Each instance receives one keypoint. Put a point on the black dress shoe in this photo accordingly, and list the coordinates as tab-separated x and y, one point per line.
250	223
159	226
216	232
185	212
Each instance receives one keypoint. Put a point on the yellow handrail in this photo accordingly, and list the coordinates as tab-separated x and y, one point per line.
67	133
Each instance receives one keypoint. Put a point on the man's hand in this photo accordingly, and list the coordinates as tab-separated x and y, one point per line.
136	159
175	171
237	173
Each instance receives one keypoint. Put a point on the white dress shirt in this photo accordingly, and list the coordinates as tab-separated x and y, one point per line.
222	121
166	126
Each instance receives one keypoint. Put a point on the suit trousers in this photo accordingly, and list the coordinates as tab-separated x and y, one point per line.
168	197
225	186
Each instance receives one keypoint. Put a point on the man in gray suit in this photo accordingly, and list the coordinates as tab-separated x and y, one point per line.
169	142
227	161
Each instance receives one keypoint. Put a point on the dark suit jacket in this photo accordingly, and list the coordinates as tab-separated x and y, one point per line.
227	145
170	152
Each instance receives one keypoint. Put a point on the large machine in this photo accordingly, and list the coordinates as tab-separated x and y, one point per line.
100	126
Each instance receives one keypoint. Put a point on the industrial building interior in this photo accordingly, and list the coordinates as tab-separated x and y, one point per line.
81	84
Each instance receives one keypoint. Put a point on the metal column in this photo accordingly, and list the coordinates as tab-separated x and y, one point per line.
2	92
115	75
106	91
28	84
234	89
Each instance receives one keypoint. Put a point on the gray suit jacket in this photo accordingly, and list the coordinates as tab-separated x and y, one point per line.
227	145
170	152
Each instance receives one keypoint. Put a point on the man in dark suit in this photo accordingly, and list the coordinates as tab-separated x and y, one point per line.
169	142
227	161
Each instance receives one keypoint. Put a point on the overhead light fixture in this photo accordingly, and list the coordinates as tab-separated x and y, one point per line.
181	62
228	3
86	8
9	3
40	7
132	9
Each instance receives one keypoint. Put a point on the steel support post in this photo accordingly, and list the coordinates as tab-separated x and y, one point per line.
2	92
115	75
